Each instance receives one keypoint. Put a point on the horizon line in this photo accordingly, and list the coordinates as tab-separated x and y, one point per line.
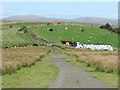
58	17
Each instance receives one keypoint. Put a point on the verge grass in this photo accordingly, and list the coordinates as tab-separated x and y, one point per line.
110	78
39	75
14	59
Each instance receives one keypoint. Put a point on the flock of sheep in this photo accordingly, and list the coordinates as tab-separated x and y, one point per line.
93	46
78	45
89	46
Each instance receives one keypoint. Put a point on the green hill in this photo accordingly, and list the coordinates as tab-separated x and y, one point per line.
91	33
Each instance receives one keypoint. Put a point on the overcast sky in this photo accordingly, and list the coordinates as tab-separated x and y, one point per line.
68	10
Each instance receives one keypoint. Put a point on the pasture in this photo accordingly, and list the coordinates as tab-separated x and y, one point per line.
63	31
10	36
18	51
74	32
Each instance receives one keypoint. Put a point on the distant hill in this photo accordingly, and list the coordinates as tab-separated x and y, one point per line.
34	18
95	20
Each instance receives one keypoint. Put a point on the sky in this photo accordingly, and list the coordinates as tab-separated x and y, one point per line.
60	0
67	10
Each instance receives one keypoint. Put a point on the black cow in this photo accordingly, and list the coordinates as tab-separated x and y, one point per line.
51	29
82	30
11	26
35	44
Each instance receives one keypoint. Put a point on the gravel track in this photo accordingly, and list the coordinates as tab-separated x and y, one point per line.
70	76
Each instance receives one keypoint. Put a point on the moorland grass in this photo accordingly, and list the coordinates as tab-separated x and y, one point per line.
39	75
14	59
84	61
103	61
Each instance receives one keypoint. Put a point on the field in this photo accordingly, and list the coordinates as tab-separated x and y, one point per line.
92	34
39	75
103	61
103	65
16	58
21	60
18	50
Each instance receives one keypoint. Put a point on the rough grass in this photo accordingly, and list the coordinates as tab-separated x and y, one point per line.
14	59
39	75
103	61
110	79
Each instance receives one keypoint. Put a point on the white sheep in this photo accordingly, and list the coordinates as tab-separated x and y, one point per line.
66	28
67	43
96	47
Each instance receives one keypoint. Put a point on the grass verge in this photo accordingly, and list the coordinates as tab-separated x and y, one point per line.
110	79
14	59
39	75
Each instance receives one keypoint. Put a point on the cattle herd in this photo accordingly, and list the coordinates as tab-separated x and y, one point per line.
88	46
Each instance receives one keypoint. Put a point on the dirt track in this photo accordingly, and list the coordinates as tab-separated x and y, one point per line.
71	76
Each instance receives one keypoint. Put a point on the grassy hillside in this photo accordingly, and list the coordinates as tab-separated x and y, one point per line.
40	32
24	67
39	75
91	34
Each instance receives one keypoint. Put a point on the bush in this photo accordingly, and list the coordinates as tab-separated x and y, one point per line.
98	68
109	27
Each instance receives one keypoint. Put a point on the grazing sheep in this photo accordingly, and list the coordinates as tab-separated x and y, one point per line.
15	46
60	37
67	43
66	28
90	37
95	47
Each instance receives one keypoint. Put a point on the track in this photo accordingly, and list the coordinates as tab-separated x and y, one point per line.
71	76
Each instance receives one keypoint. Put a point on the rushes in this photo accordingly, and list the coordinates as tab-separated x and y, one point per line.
16	58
